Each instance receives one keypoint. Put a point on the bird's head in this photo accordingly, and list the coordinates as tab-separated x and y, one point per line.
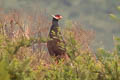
57	16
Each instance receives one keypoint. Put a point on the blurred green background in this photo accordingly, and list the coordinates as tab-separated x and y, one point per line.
92	14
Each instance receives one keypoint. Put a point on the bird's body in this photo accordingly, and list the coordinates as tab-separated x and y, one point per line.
56	44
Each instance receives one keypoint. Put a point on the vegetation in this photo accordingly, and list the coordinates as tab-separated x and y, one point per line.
23	54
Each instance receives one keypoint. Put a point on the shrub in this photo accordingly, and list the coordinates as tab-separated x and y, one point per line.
23	57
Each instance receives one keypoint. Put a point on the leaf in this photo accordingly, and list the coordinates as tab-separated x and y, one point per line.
118	7
3	71
113	16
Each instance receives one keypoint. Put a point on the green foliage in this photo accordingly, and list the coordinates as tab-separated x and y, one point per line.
110	62
4	74
71	46
10	67
20	70
81	66
15	70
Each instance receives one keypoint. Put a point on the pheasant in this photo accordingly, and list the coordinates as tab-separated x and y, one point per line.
56	44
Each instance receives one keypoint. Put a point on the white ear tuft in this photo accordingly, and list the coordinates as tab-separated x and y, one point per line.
53	15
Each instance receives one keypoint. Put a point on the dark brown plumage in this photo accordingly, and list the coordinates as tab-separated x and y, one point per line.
56	44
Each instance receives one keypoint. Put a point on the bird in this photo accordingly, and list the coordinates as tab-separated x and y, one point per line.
56	43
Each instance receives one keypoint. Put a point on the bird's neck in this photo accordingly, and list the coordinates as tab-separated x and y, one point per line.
55	22
54	28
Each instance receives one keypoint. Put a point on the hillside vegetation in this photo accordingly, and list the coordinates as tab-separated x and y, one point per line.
23	53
